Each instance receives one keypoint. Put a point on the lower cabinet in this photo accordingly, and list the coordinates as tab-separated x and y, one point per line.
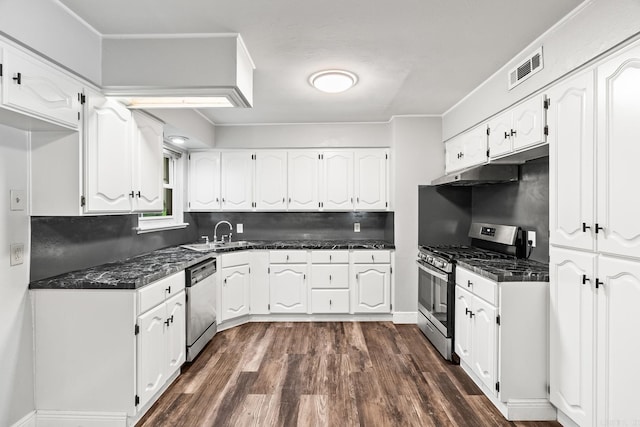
234	285
371	288
502	341
330	281
107	352
288	288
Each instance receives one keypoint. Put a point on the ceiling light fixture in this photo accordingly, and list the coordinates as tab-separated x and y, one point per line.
333	81
177	139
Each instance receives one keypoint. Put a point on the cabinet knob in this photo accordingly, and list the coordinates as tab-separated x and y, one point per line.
506	134
132	194
513	132
168	289
599	283
18	78
289	199
585	279
467	311
598	228
329	278
139	194
471	314
166	322
217	199
283	200
469	283
373	259
585	227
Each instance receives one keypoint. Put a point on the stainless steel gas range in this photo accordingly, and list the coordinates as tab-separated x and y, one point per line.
436	277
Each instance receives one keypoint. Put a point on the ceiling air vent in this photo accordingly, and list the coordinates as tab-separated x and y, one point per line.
526	68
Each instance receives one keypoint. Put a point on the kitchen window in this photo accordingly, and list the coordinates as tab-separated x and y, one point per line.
171	215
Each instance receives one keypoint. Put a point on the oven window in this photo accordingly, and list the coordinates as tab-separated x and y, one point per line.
432	297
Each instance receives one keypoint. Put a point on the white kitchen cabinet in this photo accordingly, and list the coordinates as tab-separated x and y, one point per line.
259	294
237	180
35	88
502	341
336	184
466	150
572	334
288	282
147	142
371	288
270	180
371	171
204	180
571	162
303	180
519	128
235	284
330	281
131	341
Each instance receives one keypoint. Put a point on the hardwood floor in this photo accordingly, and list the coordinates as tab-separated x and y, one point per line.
324	374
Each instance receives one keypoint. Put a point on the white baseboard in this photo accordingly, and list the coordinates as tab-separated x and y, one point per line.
28	420
405	317
374	317
565	420
84	419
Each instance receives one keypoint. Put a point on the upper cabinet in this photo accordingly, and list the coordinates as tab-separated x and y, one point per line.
35	88
294	180
521	127
466	150
147	163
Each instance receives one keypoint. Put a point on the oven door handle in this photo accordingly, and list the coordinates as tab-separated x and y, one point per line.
437	274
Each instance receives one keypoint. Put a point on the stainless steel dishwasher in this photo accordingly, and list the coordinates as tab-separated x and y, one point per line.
201	306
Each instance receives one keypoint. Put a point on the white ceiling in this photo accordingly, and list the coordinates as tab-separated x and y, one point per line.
411	56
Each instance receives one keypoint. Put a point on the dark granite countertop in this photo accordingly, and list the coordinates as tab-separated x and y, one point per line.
139	271
508	270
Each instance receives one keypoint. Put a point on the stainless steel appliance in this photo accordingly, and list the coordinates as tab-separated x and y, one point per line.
201	306
436	277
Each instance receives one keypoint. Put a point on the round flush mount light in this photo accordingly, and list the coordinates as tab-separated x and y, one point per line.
177	139
333	81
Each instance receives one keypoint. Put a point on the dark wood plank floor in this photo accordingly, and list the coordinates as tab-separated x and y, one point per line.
323	374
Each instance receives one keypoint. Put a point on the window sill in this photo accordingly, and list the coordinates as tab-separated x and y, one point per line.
149	228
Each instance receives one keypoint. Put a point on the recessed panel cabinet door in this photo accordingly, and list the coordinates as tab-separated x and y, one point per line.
288	288
204	180
237	180
337	176
618	153
571	163
372	289
500	135
484	342
474	146
108	136
176	333
303	180
234	292
271	180
147	164
528	123
571	333
618	343
371	179
152	362
463	324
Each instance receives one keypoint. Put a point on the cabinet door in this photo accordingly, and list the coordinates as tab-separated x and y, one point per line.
371	179
484	345
176	333
618	153
40	90
500	135
288	288
474	147
571	162
108	156
147	163
462	341
572	333
337	180
303	180
453	154
271	180
528	123
152	362
204	180
237	180
371	290
234	292
618	344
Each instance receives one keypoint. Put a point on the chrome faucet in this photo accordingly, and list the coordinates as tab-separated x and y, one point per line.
215	231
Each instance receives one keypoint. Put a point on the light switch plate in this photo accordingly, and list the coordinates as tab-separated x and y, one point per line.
240	228
531	236
17	254
18	200
356	227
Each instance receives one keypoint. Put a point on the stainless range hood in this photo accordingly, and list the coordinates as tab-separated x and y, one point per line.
486	174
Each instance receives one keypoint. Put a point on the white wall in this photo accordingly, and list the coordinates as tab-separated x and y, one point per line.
16	342
592	29
304	135
48	28
418	157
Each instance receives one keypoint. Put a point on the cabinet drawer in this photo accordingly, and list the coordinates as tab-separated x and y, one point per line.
329	301
329	257
371	257
234	259
288	257
330	276
155	293
478	285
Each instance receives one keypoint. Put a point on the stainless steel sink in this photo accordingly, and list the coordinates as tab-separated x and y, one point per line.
218	246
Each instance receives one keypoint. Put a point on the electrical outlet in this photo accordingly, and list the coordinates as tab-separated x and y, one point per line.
240	228
17	253
531	237
356	227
